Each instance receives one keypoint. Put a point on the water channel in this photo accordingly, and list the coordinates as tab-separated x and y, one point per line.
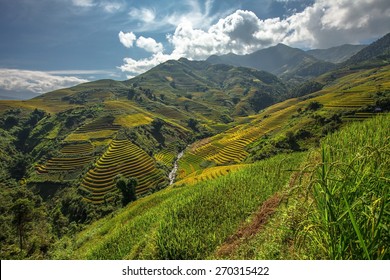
172	174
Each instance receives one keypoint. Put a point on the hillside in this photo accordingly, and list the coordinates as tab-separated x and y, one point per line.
336	54
72	157
377	52
263	210
197	86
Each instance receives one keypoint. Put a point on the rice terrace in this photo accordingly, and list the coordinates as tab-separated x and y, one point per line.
278	153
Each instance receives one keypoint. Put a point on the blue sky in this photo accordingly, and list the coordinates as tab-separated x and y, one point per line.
48	44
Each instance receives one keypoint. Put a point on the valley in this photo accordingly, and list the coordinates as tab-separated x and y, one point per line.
210	147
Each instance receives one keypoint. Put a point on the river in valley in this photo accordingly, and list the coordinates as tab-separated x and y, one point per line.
172	174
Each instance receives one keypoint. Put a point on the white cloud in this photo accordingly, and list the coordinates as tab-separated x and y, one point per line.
35	81
112	7
79	72
127	39
329	23
83	3
144	15
149	44
321	25
106	5
199	13
136	67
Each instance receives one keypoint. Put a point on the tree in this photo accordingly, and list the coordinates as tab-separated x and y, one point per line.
193	124
22	215
314	105
10	122
18	167
261	100
131	93
127	186
35	117
157	124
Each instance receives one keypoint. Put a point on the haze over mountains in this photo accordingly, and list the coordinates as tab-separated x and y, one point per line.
336	54
281	60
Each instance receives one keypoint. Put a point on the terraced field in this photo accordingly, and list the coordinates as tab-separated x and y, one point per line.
358	117
73	157
104	123
230	147
97	129
166	157
355	92
132	120
125	158
77	148
208	174
188	164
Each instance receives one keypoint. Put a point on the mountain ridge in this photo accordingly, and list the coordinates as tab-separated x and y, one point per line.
281	60
336	54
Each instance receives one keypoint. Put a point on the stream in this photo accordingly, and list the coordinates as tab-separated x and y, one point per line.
172	174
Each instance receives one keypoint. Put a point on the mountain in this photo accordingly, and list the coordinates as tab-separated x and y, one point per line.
285	62
379	51
239	202
199	84
336	54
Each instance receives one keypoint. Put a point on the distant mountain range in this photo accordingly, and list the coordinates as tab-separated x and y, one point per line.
16	95
336	54
280	60
290	64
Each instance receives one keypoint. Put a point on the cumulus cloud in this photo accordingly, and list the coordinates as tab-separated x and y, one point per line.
149	44
35	81
136	67
320	25
127	39
329	23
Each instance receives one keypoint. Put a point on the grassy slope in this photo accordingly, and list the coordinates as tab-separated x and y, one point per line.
186	222
340	208
348	97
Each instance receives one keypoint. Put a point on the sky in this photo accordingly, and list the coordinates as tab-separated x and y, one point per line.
51	44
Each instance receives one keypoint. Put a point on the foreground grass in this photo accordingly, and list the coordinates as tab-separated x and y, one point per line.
350	193
340	207
188	222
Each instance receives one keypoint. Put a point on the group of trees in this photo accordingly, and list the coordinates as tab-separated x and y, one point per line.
127	187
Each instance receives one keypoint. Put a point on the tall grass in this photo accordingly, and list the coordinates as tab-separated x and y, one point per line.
350	218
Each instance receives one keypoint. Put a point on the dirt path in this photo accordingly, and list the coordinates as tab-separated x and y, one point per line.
246	231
